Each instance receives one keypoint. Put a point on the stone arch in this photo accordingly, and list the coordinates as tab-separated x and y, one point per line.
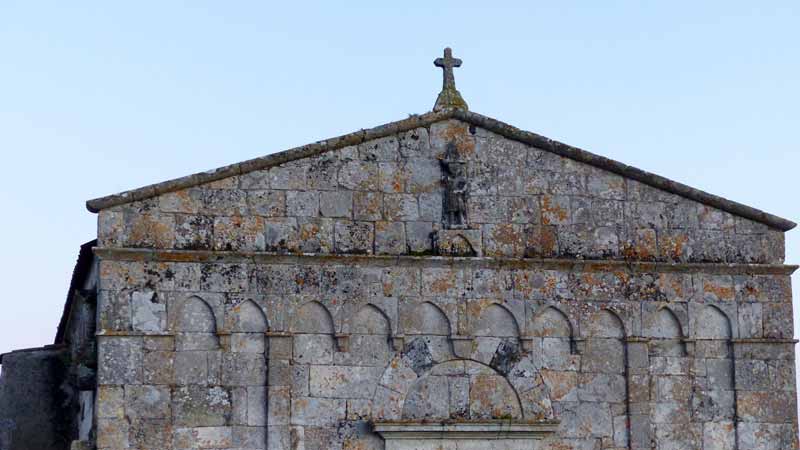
248	317
666	334
666	325
428	319
370	320
427	324
552	336
714	324
496	320
605	324
196	326
457	389
368	342
196	316
496	337
551	322
313	329
313	318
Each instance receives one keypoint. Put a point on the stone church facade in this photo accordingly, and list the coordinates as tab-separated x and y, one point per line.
442	282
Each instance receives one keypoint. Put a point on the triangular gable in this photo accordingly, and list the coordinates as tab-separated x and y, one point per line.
424	120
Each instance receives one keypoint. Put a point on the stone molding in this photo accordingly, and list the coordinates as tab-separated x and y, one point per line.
425	120
142	254
484	430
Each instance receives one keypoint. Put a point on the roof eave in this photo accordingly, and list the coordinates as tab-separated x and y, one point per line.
416	121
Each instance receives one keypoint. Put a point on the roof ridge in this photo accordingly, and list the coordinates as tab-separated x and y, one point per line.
416	121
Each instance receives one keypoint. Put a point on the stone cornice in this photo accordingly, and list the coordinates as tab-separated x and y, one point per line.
136	254
425	120
486	430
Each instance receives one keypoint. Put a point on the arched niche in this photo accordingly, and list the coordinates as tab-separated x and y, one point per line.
427	323
496	321
496	337
312	328
602	384
552	336
196	326
428	319
666	334
369	345
248	325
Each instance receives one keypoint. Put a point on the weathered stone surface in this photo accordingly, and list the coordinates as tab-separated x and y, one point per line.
563	295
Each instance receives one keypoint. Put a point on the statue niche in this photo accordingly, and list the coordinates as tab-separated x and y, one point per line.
455	176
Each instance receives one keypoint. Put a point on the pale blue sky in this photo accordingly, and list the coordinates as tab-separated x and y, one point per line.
100	97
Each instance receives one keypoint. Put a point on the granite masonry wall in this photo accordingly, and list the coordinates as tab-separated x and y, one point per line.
295	307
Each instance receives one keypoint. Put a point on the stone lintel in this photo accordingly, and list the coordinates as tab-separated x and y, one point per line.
200	256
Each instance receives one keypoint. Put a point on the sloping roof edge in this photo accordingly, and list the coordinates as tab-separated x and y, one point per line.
425	120
79	273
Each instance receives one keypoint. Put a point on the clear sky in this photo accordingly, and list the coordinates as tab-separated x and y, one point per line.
99	97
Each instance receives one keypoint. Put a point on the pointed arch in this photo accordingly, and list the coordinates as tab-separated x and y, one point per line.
715	324
552	322
666	325
196	316
248	317
370	320
313	318
427	318
496	320
605	324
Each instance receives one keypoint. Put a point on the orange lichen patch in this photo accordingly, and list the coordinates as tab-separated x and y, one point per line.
506	234
443	285
674	246
721	292
547	241
552	212
150	230
458	134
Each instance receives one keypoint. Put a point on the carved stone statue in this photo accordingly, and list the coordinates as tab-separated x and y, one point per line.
455	198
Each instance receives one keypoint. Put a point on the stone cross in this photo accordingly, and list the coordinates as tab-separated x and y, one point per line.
449	97
447	63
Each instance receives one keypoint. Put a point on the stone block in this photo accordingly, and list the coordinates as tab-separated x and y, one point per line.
430	206
194	232
288	176
239	233
359	176
119	360
313	349
267	203
201	406
400	207
202	437
320	412
149	311
344	382
302	203
390	238
244	369
147	402
113	433
353	237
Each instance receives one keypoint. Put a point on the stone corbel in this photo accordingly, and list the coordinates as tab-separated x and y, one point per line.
528	343
462	345
398	342
342	342
688	346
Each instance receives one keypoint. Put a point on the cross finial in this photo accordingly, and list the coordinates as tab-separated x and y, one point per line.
449	97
